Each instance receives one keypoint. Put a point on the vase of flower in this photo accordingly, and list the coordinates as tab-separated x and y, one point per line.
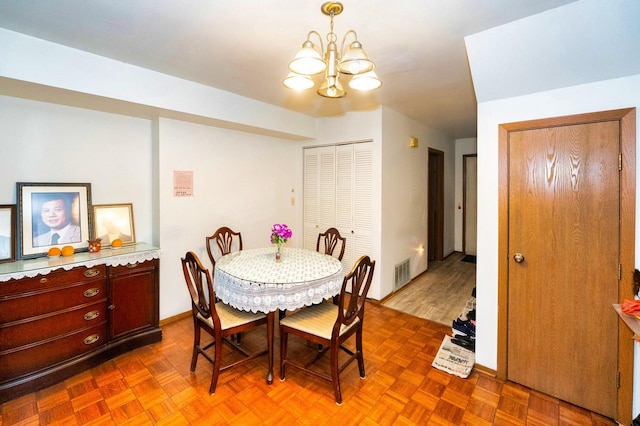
280	234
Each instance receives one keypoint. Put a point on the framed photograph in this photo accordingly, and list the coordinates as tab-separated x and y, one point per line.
114	221
7	233
53	215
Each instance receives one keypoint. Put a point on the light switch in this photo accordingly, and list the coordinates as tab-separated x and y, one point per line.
413	142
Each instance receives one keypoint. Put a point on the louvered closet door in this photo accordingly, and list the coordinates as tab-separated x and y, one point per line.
353	199
319	193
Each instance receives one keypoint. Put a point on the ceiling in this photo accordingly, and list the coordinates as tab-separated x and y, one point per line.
244	46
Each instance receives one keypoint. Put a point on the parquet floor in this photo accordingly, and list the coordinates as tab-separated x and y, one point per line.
153	385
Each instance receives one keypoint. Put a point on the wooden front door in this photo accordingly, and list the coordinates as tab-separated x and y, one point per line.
563	261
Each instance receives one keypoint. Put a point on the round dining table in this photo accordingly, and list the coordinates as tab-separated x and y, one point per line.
253	280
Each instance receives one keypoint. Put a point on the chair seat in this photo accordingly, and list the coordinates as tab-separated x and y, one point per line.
317	320
231	317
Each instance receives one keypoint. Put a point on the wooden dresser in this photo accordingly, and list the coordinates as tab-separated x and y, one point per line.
61	316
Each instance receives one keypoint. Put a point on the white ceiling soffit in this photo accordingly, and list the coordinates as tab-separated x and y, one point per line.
583	42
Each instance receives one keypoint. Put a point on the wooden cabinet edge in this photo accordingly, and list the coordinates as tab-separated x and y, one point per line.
59	372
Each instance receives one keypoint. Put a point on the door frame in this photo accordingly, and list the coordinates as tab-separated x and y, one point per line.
627	118
464	199
437	235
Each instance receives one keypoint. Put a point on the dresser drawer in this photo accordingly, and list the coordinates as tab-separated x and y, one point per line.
59	278
48	300
28	331
40	355
133	268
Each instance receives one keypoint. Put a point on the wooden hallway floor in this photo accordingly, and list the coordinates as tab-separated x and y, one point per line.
153	386
439	294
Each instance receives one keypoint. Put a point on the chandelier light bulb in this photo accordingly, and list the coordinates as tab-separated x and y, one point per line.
298	82
308	60
365	81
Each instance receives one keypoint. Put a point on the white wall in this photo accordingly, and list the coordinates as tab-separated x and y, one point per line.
42	142
463	147
242	181
600	96
405	190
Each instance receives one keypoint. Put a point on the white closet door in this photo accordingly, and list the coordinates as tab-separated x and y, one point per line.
353	200
319	193
338	193
362	200
344	201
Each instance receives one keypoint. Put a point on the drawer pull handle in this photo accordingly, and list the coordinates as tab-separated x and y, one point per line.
132	265
91	273
91	339
43	280
91	292
91	315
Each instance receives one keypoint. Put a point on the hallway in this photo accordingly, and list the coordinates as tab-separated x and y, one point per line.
440	293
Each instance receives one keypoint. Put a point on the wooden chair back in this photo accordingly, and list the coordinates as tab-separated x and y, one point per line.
353	294
199	283
226	241
331	238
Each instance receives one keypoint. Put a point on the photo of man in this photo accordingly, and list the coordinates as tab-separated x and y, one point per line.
55	218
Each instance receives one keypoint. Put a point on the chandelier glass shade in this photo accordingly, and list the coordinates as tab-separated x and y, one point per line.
351	61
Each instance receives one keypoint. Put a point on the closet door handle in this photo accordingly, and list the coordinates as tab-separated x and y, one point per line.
518	257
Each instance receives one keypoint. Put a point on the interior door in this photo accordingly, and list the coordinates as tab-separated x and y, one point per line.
563	260
470	204
435	226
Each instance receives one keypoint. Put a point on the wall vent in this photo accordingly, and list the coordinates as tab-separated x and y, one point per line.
402	275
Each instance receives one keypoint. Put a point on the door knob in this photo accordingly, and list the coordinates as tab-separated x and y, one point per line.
518	257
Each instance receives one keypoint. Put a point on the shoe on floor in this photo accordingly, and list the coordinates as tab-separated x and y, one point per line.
463	327
464	342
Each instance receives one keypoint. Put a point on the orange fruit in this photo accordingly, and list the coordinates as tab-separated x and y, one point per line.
67	251
54	251
116	243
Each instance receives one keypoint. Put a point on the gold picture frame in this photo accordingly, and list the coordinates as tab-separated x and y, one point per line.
113	221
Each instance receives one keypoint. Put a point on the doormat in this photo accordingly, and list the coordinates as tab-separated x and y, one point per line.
469	258
454	359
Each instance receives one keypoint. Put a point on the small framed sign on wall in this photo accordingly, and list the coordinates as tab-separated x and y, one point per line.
182	183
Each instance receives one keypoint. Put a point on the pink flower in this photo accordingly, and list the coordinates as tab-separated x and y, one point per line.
280	233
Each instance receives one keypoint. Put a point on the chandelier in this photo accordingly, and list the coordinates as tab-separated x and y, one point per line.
352	61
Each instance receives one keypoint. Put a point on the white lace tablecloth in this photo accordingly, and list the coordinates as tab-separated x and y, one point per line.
252	280
136	253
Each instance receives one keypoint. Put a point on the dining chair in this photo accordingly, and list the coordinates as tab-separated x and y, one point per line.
226	241
217	319
331	238
331	325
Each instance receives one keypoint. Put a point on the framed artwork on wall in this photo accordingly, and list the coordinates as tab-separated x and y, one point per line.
53	215
114	221
7	233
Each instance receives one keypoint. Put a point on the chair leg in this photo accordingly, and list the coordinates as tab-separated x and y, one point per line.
335	375
359	354
217	361
196	344
284	337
